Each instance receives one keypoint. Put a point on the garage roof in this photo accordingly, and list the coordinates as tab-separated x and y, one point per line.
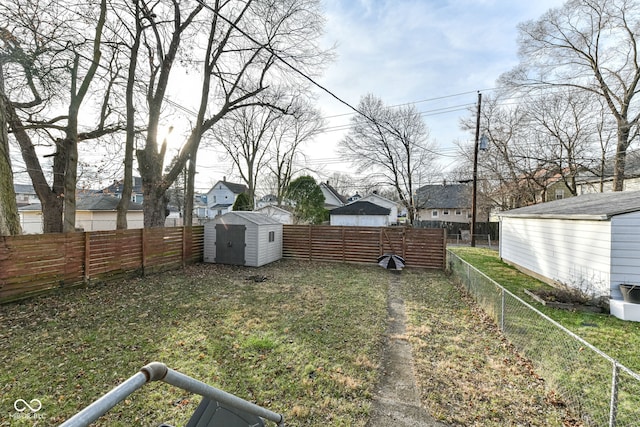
593	206
360	208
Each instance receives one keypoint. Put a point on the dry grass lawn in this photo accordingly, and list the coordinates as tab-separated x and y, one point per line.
305	342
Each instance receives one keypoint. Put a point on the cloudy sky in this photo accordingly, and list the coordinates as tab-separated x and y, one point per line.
436	53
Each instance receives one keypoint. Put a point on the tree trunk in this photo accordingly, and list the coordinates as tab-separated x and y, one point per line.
621	157
127	185
189	190
9	218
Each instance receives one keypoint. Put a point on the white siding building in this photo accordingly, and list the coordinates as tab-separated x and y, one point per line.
94	212
243	238
360	214
222	196
590	242
377	199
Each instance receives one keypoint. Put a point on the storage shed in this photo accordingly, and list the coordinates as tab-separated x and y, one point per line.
590	242
243	238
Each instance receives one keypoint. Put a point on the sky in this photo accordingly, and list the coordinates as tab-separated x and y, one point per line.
435	53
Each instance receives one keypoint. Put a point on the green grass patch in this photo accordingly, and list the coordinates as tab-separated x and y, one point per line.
306	343
617	338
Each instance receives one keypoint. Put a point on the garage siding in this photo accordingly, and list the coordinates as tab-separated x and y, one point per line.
572	252
625	258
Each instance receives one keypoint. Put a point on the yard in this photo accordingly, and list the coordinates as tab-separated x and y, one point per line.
618	338
299	338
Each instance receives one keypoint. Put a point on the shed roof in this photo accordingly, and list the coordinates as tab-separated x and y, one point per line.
360	208
593	206
252	217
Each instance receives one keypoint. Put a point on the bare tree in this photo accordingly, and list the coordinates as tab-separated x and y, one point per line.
590	45
252	46
291	132
53	63
564	124
392	145
247	135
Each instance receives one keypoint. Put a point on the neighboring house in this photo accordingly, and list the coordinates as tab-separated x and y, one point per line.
354	198
268	200
385	203
590	182
25	194
222	196
280	214
94	212
447	202
136	191
332	199
200	206
360	214
590	242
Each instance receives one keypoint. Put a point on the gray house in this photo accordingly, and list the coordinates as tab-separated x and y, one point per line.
590	242
243	238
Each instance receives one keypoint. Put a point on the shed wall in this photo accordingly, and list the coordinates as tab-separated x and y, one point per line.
269	251
576	253
625	251
209	252
258	250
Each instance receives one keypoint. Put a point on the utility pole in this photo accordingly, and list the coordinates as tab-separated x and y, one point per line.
475	176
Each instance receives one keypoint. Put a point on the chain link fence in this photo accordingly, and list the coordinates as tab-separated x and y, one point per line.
599	390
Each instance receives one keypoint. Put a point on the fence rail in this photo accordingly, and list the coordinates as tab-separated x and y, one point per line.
424	248
598	388
35	263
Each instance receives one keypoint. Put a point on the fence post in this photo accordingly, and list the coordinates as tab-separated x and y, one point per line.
143	236
613	408
87	256
502	308
184	246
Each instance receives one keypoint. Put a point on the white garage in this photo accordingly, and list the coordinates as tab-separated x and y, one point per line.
243	238
590	242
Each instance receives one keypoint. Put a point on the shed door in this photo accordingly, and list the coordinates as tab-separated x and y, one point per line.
230	244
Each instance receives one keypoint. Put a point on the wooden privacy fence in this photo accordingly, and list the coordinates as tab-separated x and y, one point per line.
34	263
420	247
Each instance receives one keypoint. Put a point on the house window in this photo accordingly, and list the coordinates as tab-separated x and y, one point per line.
214	199
272	236
559	194
458	212
445	212
434	213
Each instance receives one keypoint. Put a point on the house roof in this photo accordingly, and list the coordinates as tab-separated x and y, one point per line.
281	209
447	196
91	202
631	168
220	206
360	208
233	187
23	189
116	187
333	192
592	206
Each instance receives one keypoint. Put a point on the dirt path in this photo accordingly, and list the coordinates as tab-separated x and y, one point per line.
397	399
